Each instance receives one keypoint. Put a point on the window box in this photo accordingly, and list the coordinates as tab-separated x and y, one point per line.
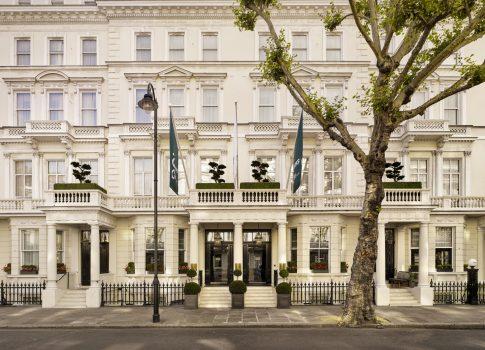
29	270
403	185
130	268
319	267
259	185
79	186
214	186
61	268
444	268
8	269
150	268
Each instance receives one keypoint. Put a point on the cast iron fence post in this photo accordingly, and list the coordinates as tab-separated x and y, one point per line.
472	286
275	274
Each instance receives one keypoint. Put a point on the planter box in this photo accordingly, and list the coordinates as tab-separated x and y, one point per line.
283	301
319	271
29	272
237	301
79	186
191	302
214	186
259	185
403	185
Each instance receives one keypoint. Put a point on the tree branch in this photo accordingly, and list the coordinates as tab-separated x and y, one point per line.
363	31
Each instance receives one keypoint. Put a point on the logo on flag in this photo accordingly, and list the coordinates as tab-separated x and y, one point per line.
174	158
298	156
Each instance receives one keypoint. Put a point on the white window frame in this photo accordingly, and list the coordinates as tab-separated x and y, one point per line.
143	34
450	175
418	173
63	247
57	175
205	177
205	50
306	49
90	161
58	53
451	247
17	110
181	107
95	53
143	174
259	105
170	50
333	173
413	248
49	110
23	250
161	246
317	230
272	175
203	106
458	109
82	109
17	54
305	172
259	48
340	35
24	175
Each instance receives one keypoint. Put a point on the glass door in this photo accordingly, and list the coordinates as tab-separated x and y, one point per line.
218	257
257	257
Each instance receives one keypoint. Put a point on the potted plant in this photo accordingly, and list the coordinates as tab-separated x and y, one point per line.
413	279
283	291
8	268
444	268
292	267
319	267
191	291
217	170
260	174
61	268
344	267
29	270
413	268
80	172
183	268
393	172
130	268
237	289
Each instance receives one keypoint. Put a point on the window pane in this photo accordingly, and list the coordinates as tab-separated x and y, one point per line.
56	106
89	112
263	38
300	43
333	92
209	105
23	108
89	52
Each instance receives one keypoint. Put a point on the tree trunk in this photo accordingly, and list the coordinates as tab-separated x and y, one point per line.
359	307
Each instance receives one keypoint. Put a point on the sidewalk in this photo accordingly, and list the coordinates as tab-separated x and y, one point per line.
462	317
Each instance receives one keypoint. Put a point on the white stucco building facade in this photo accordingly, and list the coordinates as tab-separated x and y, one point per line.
71	73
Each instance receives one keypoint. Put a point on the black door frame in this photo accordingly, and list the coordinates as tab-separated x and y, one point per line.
85	247
209	271
390	235
267	263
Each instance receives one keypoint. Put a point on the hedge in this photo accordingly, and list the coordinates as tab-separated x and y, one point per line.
259	185
79	186
404	185
214	186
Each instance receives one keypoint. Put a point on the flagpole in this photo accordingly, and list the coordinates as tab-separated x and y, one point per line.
235	156
289	173
180	151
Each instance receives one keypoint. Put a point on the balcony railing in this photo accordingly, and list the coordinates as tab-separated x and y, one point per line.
406	196
146	202
238	197
327	202
76	198
459	202
18	205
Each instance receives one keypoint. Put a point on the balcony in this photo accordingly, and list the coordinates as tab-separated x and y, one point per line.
416	128
145	203
459	203
238	198
16	206
76	199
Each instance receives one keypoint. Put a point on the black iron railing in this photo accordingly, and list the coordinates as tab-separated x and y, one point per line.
140	294
450	292
318	293
17	293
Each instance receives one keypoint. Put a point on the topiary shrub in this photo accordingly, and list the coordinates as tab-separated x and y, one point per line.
237	287
284	273
191	288
283	288
237	273
191	273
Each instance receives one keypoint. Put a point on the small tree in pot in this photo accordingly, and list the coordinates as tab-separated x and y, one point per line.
283	291
237	289
191	290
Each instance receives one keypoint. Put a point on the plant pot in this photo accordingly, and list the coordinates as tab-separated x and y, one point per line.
28	272
237	301
283	301
214	186
78	186
191	302
402	185
259	185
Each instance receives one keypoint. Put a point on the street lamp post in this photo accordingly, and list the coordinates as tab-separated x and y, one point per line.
149	104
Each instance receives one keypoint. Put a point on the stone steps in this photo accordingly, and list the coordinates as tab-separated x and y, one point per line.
260	297
72	299
220	297
402	297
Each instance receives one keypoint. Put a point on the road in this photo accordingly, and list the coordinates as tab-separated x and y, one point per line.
240	338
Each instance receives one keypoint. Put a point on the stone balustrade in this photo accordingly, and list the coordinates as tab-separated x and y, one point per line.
459	202
326	202
406	196
140	203
238	197
76	198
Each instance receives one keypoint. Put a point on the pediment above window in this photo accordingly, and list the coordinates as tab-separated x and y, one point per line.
52	76
175	72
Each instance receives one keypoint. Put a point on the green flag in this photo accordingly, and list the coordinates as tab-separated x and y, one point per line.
298	156
174	157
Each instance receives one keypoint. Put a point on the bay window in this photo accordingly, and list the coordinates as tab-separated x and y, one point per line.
444	249
150	250
143	177
319	248
332	175
181	245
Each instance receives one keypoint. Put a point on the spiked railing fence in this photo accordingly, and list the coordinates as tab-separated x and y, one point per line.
140	294
18	293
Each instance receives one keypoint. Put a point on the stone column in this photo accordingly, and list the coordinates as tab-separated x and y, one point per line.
238	244
468	173
40	180
49	295
192	155
126	163
282	243
36	187
9	190
425	291
93	295
405	162
101	158
438	170
348	172
194	243
481	252
283	168
382	292
318	172
70	158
